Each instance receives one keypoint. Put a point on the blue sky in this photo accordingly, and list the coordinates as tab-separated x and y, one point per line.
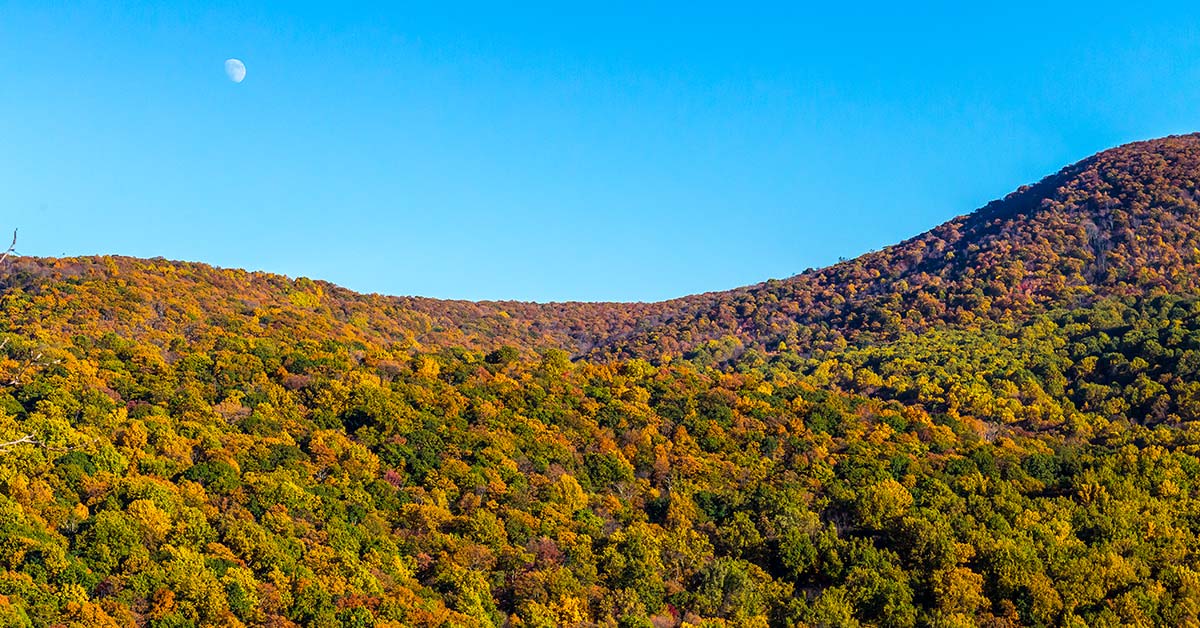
607	151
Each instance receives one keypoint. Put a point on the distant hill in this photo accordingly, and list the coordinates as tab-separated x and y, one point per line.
1125	221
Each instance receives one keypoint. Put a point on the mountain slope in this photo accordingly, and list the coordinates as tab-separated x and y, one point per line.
1125	221
992	424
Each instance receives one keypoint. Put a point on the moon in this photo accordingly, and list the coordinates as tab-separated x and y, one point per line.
235	70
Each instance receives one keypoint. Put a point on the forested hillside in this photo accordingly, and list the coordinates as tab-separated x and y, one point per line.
993	423
1124	222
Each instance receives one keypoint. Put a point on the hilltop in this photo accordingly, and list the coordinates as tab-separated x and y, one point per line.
1125	221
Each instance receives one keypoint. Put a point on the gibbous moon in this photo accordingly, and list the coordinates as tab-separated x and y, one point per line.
235	70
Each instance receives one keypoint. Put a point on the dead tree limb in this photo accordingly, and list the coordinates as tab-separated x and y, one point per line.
26	439
12	249
37	362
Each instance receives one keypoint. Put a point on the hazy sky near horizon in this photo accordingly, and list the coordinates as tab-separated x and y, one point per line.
606	151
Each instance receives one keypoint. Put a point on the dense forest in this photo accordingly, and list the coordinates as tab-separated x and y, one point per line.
993	423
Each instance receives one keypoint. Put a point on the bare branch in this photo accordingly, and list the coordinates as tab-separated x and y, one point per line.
12	249
36	361
28	438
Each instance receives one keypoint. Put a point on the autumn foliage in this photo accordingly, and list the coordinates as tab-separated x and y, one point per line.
993	423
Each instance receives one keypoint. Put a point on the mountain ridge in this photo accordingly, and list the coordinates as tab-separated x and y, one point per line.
1003	259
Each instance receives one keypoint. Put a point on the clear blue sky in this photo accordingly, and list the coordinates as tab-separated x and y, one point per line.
557	151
